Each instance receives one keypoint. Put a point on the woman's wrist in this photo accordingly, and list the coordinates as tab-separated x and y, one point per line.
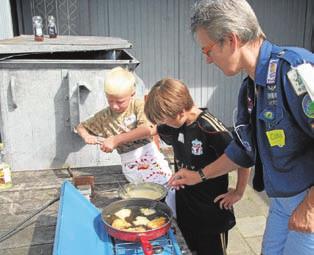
202	175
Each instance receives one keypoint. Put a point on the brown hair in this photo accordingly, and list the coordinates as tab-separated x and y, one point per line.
167	98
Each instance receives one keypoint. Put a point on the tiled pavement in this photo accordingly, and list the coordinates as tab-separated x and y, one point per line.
251	212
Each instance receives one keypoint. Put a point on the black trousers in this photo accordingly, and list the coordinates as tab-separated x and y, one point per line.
209	244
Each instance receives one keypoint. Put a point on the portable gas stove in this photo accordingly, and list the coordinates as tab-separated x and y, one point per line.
80	230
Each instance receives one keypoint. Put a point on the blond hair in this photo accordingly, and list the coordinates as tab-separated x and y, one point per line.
119	82
167	98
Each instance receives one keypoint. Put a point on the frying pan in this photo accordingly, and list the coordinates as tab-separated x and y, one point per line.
149	190
132	236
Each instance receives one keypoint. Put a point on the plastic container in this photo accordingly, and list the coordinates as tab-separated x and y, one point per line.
5	172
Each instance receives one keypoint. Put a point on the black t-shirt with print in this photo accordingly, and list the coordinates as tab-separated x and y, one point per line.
195	146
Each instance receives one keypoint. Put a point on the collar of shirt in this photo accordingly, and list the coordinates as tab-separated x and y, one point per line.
262	63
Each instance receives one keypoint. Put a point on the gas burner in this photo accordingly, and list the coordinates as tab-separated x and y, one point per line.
163	245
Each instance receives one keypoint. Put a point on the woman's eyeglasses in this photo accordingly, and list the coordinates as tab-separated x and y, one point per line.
207	50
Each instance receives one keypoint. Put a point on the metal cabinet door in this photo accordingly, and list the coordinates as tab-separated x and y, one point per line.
86	97
37	118
33	117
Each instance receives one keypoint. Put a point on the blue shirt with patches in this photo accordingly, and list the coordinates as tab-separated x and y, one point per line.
277	122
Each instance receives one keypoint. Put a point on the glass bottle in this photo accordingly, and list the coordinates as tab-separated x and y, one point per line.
52	28
38	28
5	171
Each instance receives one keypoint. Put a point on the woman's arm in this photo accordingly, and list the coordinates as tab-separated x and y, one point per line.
217	168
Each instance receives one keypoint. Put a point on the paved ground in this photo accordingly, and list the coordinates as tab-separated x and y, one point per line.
251	212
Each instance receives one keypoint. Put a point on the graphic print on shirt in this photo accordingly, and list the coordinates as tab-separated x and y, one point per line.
197	147
181	138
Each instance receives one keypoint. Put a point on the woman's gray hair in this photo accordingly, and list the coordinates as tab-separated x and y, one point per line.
220	18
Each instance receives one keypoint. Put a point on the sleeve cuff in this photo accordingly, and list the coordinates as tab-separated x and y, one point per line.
238	155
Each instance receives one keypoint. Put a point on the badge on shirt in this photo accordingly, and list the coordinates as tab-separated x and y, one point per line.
268	115
305	72
129	120
308	106
296	82
272	69
271	87
197	147
276	137
181	138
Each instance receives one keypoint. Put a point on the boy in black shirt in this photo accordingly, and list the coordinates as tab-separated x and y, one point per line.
198	139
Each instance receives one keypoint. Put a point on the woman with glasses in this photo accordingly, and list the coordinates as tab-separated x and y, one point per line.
274	127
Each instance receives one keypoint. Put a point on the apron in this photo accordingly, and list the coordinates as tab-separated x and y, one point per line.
145	164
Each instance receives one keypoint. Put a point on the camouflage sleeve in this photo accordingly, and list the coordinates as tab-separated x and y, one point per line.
96	124
139	112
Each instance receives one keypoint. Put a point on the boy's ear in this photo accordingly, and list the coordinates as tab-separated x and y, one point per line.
181	114
133	94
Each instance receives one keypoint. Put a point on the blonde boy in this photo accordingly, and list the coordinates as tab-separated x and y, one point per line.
123	126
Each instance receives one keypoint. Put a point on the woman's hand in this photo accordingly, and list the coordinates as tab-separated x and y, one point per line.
184	177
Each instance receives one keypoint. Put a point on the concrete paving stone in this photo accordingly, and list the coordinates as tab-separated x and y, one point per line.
236	243
242	253
251	226
260	202
247	208
255	244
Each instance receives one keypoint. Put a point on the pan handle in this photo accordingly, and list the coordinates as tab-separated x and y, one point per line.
146	245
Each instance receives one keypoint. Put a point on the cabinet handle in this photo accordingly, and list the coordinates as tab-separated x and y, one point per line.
77	91
83	89
12	90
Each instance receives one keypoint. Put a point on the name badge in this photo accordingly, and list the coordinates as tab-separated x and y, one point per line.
276	137
305	71
296	82
129	120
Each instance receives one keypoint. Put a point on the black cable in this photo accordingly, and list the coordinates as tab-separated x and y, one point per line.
16	229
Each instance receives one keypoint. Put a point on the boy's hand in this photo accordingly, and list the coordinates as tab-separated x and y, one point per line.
91	139
228	199
108	144
184	177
